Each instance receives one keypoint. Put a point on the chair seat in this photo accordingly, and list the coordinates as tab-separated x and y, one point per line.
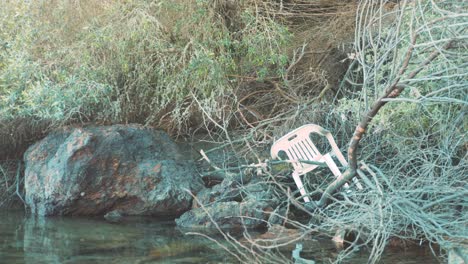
299	148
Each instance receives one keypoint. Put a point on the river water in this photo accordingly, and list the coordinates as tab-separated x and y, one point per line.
87	240
135	240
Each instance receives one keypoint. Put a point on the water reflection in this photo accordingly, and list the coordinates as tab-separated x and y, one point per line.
137	240
78	240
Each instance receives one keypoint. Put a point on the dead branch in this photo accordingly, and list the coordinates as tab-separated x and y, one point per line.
392	91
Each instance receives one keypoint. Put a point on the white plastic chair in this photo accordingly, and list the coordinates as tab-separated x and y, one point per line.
299	148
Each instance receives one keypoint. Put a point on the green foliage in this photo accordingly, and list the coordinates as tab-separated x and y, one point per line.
440	87
131	61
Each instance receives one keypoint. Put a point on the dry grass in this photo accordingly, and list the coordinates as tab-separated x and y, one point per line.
11	184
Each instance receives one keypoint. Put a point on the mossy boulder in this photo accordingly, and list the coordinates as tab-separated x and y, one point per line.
95	170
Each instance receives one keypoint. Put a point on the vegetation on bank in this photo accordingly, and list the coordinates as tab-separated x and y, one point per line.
248	71
149	62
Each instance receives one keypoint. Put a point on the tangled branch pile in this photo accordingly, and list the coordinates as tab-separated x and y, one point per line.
416	143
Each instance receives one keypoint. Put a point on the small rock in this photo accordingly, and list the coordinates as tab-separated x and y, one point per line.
113	216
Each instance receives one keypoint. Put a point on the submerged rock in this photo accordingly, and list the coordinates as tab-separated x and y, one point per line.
113	216
94	170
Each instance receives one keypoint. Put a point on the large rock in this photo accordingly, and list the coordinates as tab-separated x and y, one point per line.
95	170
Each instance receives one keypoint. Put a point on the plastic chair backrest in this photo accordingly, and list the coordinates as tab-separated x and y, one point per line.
298	146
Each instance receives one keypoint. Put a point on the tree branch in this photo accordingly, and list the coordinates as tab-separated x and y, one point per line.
392	91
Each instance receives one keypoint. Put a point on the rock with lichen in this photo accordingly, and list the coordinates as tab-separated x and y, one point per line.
95	170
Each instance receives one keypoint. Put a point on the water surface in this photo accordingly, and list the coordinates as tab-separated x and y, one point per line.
84	240
138	240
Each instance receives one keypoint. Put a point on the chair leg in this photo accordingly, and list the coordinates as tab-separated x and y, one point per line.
365	179
338	238
357	183
300	186
331	164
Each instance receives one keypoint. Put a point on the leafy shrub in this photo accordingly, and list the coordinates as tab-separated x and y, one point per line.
130	61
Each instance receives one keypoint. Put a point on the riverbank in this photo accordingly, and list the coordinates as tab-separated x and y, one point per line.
387	79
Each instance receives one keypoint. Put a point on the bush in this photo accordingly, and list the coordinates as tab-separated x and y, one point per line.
131	61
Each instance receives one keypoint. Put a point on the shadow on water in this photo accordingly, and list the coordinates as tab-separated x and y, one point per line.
33	240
